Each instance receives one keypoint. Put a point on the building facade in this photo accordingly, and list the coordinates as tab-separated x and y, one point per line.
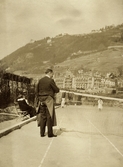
87	82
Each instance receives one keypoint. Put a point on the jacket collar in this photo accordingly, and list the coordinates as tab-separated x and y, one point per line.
47	75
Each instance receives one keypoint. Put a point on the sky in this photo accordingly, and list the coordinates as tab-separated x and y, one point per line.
23	20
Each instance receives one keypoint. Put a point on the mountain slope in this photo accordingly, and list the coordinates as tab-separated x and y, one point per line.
88	50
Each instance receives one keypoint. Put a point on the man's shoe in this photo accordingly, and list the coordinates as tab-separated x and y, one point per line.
53	136
42	135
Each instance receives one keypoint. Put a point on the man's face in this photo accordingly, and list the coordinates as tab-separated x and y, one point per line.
51	74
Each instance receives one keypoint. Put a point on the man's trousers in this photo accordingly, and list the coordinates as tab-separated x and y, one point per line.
45	121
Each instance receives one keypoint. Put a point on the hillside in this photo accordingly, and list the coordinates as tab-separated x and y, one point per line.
91	51
105	61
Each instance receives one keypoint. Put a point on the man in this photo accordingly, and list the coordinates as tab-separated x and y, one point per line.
100	104
46	90
63	99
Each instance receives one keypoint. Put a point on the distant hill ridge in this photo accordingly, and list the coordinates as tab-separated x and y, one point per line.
100	50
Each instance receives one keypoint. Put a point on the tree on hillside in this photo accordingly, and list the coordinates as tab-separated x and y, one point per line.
3	66
119	71
101	46
122	36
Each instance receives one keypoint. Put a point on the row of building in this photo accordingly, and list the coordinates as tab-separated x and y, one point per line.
88	83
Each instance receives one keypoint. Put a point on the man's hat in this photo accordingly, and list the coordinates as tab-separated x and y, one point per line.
48	70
